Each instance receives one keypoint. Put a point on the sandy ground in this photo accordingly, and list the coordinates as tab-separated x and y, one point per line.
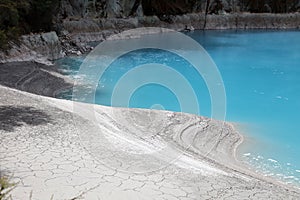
66	150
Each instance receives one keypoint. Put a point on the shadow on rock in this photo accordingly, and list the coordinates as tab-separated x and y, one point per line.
33	77
12	117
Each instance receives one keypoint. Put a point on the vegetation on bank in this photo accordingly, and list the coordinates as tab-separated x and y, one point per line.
5	187
24	16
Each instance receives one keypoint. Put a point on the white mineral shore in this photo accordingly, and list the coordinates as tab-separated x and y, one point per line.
61	149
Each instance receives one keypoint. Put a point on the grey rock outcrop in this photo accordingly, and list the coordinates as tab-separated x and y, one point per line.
38	47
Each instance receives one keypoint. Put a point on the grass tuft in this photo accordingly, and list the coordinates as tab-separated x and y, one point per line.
6	186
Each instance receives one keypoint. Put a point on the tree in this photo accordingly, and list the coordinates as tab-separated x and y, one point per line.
24	16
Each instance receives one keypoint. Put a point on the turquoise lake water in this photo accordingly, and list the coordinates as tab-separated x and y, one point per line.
261	74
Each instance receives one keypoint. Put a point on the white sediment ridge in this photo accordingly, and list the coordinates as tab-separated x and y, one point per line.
61	149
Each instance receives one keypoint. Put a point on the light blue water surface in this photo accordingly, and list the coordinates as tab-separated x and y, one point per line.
261	73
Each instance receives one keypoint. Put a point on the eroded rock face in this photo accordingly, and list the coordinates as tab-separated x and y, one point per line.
126	8
39	47
100	8
73	8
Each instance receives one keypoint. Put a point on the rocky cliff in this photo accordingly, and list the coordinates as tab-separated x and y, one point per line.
87	30
38	47
94	20
163	8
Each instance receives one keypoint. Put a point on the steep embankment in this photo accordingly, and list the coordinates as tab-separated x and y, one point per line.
86	30
76	34
79	22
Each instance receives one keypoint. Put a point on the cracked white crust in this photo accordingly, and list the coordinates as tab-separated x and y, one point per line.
53	158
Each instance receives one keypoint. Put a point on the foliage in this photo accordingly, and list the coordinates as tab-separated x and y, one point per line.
3	39
5	187
40	15
24	16
274	6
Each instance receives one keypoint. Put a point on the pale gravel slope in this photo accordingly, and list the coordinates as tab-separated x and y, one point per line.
53	154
